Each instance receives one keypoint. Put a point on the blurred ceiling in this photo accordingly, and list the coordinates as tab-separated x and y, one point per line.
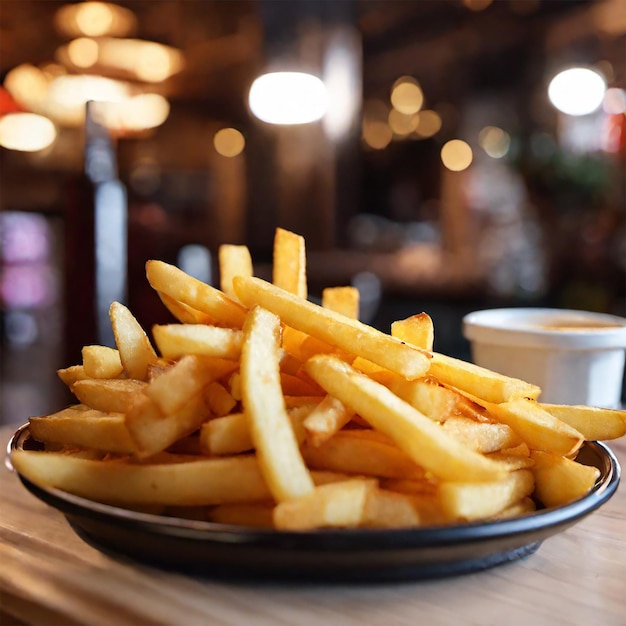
225	41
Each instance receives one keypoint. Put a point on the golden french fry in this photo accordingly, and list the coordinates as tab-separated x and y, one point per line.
478	381
179	285
88	429
196	482
153	431
471	501
111	395
422	439
234	260
327	418
349	453
271	431
295	386
135	350
436	402
101	362
536	427
523	507
560	480
186	378
289	263
483	437
336	505
219	399
176	340
69	375
593	423
345	333
418	330
344	300
184	313
387	509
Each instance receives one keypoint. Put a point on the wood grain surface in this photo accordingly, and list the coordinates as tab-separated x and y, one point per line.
49	576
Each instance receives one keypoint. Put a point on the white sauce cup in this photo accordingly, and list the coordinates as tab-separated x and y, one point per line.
576	357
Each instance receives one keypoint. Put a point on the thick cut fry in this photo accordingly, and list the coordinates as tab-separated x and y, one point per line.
219	399
191	483
560	480
483	437
336	505
88	429
327	418
418	330
271	431
594	423
154	431
184	313
471	501
429	398
302	346
347	334
296	386
422	439
136	351
349	453
386	509
101	362
176	340
186	378
233	261
111	395
344	300
536	427
194	293
69	375
478	381
523	507
289	263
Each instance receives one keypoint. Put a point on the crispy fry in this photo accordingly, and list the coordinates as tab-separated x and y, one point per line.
344	300
194	293
421	438
418	330
289	263
135	350
184	313
347	334
327	418
101	362
593	423
234	260
111	395
177	340
271	431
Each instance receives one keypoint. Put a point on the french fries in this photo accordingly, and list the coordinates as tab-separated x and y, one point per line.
263	409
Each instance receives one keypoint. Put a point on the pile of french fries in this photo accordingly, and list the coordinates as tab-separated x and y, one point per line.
259	408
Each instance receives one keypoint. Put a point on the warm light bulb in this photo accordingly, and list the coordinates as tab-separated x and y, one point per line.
229	142
26	132
288	98
577	91
456	155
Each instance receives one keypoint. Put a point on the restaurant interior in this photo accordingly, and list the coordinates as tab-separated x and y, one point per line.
440	155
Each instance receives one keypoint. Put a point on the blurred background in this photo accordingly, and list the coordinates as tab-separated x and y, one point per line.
440	155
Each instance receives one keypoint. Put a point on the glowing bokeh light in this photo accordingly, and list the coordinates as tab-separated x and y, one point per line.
26	132
288	98
494	141
28	85
94	19
377	135
407	96
428	123
577	91
83	52
229	142
456	155
402	124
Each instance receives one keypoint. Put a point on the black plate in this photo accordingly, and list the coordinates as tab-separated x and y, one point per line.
218	550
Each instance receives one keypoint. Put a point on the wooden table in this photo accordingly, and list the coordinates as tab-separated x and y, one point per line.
50	576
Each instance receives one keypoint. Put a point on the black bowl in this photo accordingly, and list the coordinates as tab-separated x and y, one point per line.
220	551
